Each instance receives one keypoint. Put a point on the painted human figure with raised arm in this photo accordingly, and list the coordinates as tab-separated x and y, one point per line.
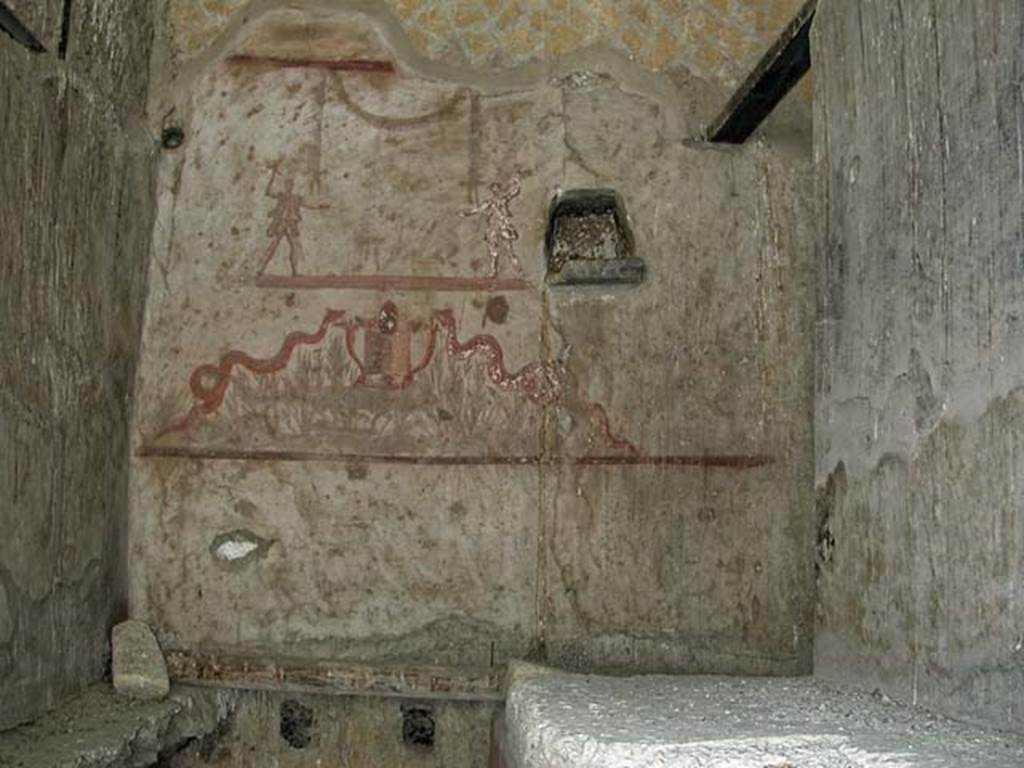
284	221
500	234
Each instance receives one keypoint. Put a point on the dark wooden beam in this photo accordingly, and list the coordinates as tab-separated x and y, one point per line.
775	75
13	26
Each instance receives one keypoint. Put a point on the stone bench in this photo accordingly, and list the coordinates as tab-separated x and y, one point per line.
560	720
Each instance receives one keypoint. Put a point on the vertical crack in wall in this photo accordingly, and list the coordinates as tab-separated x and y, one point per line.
474	148
65	31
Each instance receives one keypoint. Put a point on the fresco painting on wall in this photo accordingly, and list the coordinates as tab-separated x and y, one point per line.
500	236
396	383
387	389
457	469
382	385
501	233
371	111
285	220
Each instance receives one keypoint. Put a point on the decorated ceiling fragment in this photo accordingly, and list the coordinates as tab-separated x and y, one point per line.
717	39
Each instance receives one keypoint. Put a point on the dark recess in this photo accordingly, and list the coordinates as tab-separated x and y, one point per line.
828	500
588	240
296	724
786	62
418	728
497	310
21	34
172	137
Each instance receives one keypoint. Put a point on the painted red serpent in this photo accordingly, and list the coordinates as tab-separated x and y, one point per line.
540	382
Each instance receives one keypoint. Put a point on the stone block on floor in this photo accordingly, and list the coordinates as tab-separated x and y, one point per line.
140	670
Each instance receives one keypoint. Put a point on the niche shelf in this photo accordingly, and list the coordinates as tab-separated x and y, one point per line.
589	242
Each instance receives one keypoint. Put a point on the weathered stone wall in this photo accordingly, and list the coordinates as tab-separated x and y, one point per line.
920	410
354	442
76	211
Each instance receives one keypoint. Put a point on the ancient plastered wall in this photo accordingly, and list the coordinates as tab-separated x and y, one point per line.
77	212
379	452
921	540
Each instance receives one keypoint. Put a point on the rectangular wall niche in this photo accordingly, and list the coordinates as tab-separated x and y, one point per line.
588	240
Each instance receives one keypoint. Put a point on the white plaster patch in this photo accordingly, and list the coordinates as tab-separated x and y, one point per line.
237	549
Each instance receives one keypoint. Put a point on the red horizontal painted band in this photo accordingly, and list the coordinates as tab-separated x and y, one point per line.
346	65
392	282
242	454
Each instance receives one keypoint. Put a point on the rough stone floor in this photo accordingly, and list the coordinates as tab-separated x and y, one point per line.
100	729
558	720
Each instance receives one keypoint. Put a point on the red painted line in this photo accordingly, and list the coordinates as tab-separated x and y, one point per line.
540	382
209	383
346	65
187	452
727	462
392	282
211	393
242	454
614	442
